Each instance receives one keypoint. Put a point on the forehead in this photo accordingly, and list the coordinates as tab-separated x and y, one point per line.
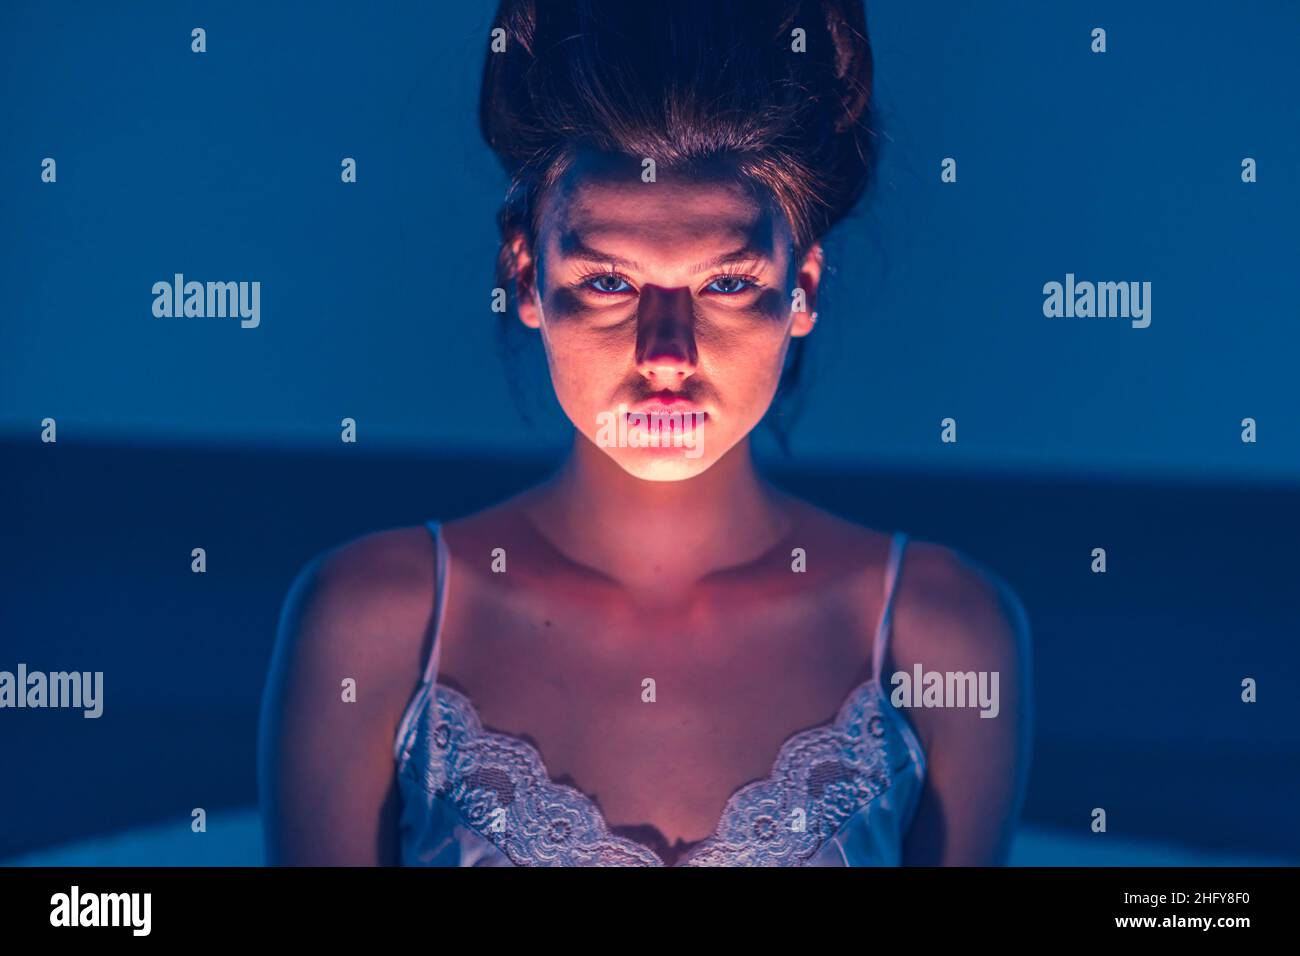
602	202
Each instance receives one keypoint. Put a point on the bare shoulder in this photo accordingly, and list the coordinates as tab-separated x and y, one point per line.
366	603
953	607
383	570
947	601
956	617
347	660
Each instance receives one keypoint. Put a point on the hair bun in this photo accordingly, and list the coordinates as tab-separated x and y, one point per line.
683	81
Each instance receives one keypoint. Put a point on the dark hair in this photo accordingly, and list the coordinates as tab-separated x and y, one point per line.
683	82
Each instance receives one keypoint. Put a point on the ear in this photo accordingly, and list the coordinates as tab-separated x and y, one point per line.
809	279
525	272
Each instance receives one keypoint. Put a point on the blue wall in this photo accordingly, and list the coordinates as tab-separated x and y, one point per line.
225	166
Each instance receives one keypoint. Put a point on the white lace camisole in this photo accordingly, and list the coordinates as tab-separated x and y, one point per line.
475	797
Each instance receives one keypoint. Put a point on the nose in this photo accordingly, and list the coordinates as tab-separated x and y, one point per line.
666	353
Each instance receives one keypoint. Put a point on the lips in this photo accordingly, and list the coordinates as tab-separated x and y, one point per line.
684	412
669	404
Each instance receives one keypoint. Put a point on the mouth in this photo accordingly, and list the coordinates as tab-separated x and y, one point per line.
666	421
670	419
667	413
669	407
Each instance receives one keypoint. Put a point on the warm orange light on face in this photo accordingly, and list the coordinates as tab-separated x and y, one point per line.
671	300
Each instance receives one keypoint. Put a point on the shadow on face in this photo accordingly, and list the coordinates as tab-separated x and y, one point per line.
666	308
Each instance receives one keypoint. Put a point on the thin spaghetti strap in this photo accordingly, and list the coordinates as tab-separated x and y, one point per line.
406	727
881	644
442	570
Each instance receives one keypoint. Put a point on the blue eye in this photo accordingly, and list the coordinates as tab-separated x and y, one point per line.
609	284
729	285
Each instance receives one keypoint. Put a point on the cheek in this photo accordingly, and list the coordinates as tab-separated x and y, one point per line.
773	306
586	349
747	348
591	352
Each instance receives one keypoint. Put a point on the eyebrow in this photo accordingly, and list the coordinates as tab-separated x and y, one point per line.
573	246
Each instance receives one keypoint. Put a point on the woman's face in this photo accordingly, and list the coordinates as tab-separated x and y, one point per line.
666	309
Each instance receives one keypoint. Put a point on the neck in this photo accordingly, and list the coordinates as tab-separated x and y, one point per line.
659	535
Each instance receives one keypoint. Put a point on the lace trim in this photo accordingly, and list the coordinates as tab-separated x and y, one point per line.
499	784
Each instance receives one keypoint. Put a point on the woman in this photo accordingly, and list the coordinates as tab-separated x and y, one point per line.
654	657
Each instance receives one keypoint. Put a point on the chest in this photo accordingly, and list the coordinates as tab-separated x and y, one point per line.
833	796
656	715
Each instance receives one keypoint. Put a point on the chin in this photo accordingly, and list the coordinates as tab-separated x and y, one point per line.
661	464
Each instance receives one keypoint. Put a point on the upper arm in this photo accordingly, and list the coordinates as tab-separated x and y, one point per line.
325	760
957	617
